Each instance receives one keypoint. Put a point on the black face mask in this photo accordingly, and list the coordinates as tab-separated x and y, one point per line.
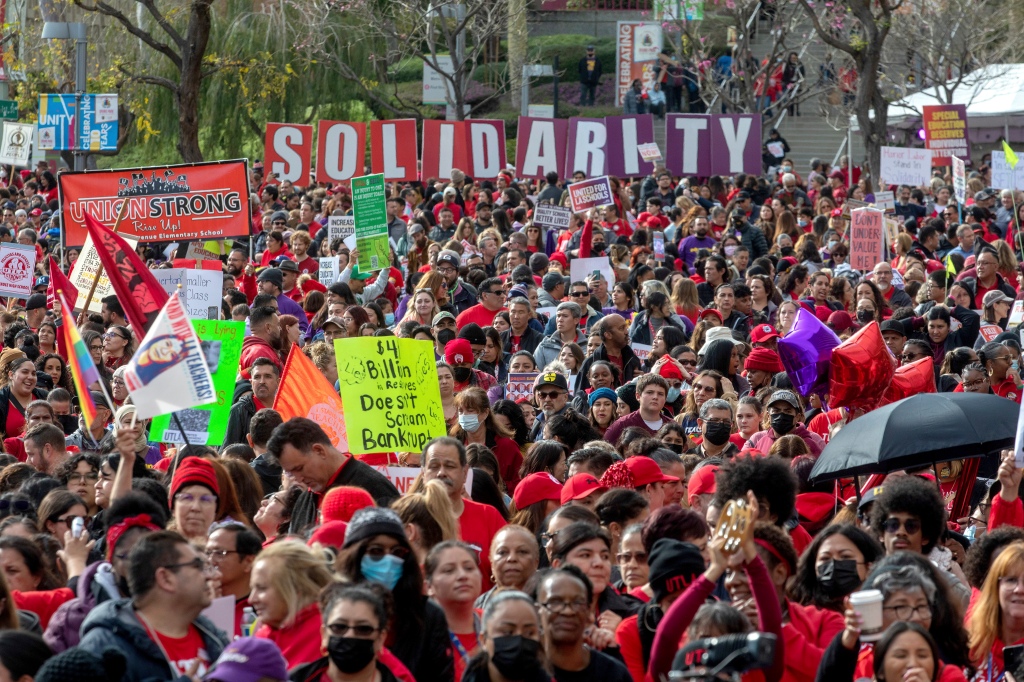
515	656
675	447
865	316
462	374
350	654
783	423
597	248
788	251
839	578
717	433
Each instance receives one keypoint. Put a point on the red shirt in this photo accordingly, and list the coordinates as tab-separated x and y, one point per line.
183	651
477	526
478	314
1007	389
309	265
300	641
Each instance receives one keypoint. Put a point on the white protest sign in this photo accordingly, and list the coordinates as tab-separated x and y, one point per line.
1016	314
200	291
16	144
520	385
404	478
776	149
641	350
330	267
960	180
340	227
548	215
906	166
1018	443
17	269
582	268
84	272
649	152
1004	177
885	201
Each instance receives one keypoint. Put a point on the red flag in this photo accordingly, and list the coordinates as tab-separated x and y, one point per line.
304	392
141	296
59	282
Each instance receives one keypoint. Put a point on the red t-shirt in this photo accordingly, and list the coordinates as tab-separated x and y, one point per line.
477	526
470	644
183	651
478	314
1007	389
309	265
980	292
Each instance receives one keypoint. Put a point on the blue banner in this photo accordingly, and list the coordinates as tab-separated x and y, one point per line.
58	120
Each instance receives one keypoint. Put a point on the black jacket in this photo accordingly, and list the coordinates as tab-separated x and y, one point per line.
317	670
463	297
630	367
353	473
241	414
270	474
7	399
530	340
753	238
590	77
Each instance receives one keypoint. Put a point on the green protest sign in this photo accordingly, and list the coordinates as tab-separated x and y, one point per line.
390	393
369	209
207	425
8	110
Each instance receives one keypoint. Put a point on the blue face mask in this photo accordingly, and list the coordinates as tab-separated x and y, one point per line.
1014	365
673	394
387	570
469	422
969	532
389	319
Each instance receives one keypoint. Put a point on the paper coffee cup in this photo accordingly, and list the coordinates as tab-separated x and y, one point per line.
868	603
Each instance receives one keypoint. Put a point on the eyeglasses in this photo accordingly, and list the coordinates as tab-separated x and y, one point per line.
196	563
892	525
910	357
906	611
1005	358
1010	582
579	294
626	557
561	606
114	335
975	384
219	554
83	478
189	498
378	552
117	382
360	631
446	271
18	506
95	346
548	395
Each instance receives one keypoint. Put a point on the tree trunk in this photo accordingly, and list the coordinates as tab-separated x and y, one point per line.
187	95
517	44
871	100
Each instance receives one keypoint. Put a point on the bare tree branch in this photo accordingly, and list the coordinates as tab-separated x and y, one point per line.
144	36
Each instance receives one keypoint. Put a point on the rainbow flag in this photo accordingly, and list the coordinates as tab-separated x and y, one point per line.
80	362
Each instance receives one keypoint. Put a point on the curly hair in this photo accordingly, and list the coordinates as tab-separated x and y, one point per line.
916	496
771	479
983	552
781	546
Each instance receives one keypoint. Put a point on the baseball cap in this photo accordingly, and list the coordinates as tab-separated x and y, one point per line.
458	351
440	316
249	659
702	481
787	397
289	266
537	488
893	326
336	321
279	216
710	311
580	486
35	301
556	379
449	191
41	281
984	195
870	495
991	298
449	257
36	212
763	332
646	471
415	228
99	399
473	333
359	274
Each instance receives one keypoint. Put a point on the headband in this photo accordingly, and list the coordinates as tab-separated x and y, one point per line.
768	547
115	532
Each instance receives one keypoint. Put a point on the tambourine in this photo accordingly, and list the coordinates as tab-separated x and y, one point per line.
736	525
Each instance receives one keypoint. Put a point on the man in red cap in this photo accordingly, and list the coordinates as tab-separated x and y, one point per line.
649	480
700	488
761	365
651	393
765	336
582	490
459	354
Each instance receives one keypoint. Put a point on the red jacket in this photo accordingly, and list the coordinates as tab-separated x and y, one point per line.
43	603
1005	513
254	347
300	641
807	635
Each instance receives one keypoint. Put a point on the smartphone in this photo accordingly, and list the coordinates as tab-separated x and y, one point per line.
1012	658
78	525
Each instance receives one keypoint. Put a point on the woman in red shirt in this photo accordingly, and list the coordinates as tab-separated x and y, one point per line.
275	249
1003	377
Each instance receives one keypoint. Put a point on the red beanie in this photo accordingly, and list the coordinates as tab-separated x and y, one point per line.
341	503
764	359
670	371
329	534
193	471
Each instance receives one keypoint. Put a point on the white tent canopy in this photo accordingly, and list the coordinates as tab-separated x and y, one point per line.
994	92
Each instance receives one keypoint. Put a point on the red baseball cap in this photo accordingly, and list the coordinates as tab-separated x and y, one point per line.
537	488
646	471
580	486
710	311
702	481
763	332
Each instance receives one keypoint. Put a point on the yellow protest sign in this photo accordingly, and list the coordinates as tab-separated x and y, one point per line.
390	393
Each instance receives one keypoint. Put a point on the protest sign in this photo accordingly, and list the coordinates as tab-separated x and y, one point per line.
649	152
221	613
638	44
776	149
658	239
221	341
520	385
906	166
169	371
60	122
17	269
371	222
200	290
641	350
390	392
403	478
84	272
1016	314
959	180
16	144
288	152
330	268
885	201
945	132
169	203
990	331
305	392
552	217
581	268
1005	176
589	194
201	251
865	238
340	227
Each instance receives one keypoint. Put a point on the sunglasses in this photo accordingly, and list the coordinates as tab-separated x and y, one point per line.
579	294
548	395
892	525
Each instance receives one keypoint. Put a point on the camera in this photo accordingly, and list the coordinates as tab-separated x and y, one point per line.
729	654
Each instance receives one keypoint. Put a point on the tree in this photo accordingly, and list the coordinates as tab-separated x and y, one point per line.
182	37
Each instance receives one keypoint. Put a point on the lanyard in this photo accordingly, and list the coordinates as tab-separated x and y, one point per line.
457	643
156	639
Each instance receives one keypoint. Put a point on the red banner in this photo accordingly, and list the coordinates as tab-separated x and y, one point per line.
393	149
287	152
945	132
340	151
168	203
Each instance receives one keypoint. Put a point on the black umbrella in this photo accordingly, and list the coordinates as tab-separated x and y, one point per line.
918	431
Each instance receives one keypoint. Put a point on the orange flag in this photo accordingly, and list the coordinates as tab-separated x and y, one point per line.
304	392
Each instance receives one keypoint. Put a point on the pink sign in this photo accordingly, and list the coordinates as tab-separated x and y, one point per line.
865	238
588	194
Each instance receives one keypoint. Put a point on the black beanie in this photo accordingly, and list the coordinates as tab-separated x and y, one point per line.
78	665
473	333
673	566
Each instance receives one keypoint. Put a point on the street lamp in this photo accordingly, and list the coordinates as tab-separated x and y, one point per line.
62	30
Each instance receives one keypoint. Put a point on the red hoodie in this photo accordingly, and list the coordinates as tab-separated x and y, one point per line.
807	634
254	347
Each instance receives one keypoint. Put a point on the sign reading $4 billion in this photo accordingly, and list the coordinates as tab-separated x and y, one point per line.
390	393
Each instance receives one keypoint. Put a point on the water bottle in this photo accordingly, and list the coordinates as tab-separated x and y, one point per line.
248	621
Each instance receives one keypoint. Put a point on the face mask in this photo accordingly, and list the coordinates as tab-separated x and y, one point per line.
729	251
1014	365
783	423
389	319
865	316
675	447
673	393
386	571
802	223
350	654
717	433
969	532
515	656
597	248
787	251
832	245
469	422
839	578
787	169
462	374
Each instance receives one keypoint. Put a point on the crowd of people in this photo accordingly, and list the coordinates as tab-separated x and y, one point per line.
563	530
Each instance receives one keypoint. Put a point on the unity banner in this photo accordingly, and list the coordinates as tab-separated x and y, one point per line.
167	203
169	371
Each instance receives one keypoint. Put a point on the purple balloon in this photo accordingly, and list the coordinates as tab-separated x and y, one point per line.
806	352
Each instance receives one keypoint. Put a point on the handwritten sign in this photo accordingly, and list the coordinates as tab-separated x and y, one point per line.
865	238
649	152
200	291
1003	176
589	194
886	201
330	266
84	272
520	385
390	392
959	180
641	350
550	216
906	166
